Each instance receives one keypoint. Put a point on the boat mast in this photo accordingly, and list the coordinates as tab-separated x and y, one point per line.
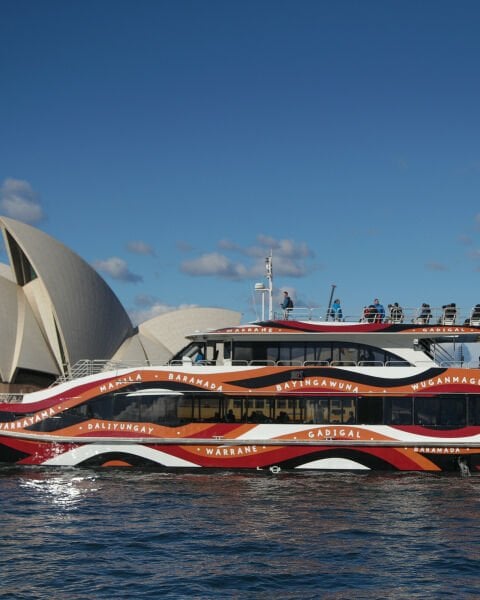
269	275
330	302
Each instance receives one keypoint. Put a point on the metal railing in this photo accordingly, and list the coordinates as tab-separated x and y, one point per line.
86	367
10	398
426	315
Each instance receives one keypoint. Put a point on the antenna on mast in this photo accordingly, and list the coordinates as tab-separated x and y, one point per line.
262	289
330	302
269	275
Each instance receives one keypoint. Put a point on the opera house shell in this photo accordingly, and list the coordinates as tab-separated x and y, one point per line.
56	310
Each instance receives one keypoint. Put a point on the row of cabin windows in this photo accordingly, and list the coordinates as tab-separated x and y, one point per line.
443	412
323	352
296	352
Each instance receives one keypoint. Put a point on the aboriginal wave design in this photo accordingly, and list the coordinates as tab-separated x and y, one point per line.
298	326
365	327
280	457
356	460
247	453
353	377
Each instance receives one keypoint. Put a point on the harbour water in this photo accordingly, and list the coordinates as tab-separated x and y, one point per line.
83	534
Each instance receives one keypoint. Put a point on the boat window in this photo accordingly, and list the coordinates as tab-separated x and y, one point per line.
285	353
329	410
344	353
243	352
370	410
9	416
348	410
336	410
189	350
312	352
347	353
298	352
227	350
170	408
317	410
134	407
444	412
398	411
372	357
273	353
65	419
325	353
474	410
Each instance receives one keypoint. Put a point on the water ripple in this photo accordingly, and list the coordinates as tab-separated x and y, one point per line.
82	534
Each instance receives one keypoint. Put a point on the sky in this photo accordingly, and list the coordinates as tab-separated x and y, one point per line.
174	144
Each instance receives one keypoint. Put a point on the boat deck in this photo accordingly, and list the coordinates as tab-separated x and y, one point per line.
428	315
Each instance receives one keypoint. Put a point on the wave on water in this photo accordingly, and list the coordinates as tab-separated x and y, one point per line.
78	534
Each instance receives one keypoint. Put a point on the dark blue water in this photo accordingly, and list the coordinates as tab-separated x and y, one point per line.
81	534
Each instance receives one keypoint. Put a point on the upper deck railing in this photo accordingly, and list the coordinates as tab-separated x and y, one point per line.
425	314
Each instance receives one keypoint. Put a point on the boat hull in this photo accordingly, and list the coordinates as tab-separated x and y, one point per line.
441	455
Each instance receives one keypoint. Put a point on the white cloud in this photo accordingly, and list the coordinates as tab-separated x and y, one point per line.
139	247
290	260
285	248
19	201
145	314
117	268
145	300
214	264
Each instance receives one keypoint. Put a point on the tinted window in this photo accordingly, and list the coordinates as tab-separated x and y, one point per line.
370	410
446	412
398	411
474	410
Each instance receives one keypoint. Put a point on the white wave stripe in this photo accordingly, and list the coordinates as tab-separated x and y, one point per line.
334	430
406	436
78	455
334	464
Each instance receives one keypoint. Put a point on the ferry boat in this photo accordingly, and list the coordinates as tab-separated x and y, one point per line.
293	392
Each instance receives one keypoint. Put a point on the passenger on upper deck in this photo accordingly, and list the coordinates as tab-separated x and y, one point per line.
336	311
475	316
287	305
449	314
396	313
369	314
425	314
380	311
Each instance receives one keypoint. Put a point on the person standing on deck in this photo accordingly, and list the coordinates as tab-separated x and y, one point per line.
287	305
380	316
336	311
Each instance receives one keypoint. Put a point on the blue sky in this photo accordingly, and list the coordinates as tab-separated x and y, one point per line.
172	145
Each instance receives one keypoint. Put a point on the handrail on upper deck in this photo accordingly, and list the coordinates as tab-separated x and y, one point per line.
425	314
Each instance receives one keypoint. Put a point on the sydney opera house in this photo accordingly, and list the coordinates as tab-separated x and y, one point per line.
56	310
